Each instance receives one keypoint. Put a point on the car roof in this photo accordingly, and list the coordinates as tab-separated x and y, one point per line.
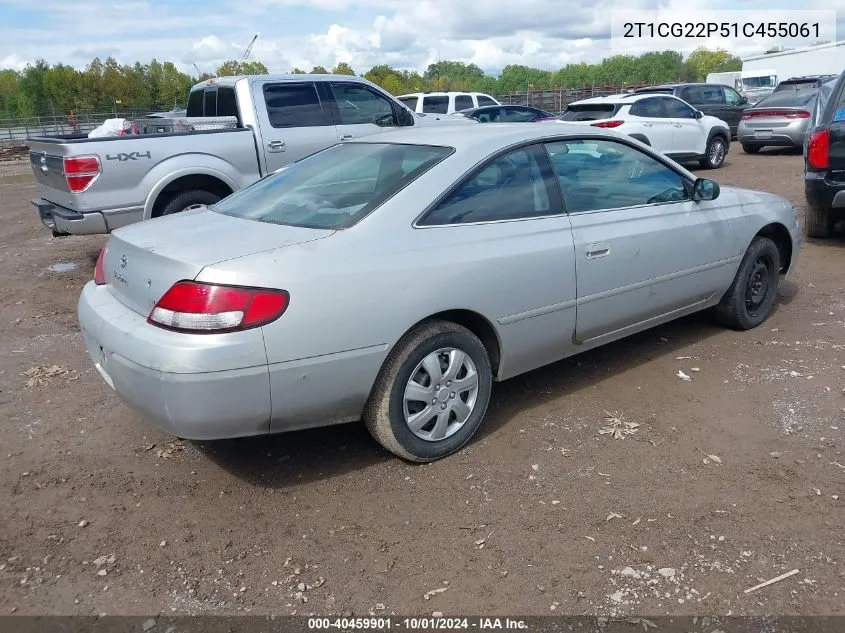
625	97
234	79
442	93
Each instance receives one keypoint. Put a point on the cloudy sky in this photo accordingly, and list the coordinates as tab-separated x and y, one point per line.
303	33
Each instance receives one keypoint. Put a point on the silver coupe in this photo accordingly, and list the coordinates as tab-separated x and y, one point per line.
396	277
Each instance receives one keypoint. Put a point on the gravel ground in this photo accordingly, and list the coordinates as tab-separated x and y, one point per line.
731	478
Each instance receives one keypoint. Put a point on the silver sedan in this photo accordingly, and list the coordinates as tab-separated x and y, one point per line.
779	120
393	279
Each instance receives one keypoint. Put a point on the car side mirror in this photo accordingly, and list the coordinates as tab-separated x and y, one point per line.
704	189
698	114
743	100
406	118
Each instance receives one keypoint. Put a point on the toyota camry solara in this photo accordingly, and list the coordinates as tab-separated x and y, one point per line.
395	278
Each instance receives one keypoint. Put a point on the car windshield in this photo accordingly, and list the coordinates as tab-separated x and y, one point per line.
788	99
334	188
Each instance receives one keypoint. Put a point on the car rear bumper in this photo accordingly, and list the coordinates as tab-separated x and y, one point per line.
173	380
64	221
787	136
821	193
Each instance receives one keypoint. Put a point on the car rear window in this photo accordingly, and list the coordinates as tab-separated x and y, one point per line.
589	112
335	188
787	99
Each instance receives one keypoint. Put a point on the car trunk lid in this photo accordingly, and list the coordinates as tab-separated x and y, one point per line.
144	260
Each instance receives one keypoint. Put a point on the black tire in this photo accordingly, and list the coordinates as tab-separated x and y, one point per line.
714	155
742	308
384	413
184	200
819	222
751	149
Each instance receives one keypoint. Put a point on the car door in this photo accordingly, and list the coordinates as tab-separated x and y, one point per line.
359	110
644	250
294	121
504	228
650	121
735	105
690	137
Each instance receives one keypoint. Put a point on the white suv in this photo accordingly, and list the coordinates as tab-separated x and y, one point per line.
445	102
670	125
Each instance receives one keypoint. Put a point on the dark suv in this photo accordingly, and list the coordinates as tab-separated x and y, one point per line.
824	161
722	102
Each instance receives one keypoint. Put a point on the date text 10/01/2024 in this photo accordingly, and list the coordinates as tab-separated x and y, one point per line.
721	29
422	623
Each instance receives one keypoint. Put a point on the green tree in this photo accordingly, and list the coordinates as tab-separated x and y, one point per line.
343	69
298	71
702	61
319	70
234	67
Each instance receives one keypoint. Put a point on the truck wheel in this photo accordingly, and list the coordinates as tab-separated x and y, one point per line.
751	149
819	222
749	300
190	199
432	392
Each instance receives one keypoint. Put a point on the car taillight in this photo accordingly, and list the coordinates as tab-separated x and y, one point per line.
81	171
191	306
616	123
100	269
780	114
818	149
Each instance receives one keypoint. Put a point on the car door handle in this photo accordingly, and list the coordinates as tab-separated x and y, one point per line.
647	124
345	137
276	146
677	125
594	251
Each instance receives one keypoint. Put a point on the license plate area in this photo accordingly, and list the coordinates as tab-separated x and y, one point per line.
763	134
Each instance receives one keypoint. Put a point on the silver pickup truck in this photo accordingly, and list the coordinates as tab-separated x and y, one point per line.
95	185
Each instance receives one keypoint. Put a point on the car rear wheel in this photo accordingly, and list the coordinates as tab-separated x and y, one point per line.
751	297
751	149
187	200
717	149
432	392
819	222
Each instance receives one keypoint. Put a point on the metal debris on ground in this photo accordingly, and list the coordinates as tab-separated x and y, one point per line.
613	515
683	376
772	581
617	428
43	374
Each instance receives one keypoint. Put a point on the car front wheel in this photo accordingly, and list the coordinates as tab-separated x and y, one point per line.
751	297
432	392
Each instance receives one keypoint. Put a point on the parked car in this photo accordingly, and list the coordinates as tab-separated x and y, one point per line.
445	102
95	185
722	102
779	120
507	114
807	82
395	277
824	161
664	122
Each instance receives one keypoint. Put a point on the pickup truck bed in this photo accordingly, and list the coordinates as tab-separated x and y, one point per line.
137	175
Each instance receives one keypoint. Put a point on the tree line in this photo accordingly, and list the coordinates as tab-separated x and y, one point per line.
103	86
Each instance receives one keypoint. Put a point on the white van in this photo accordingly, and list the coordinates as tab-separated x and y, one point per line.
445	102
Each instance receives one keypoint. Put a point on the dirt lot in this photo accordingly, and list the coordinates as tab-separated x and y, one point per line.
541	513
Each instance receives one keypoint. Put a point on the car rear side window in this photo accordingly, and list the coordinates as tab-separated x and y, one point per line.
598	175
411	102
518	185
462	102
692	94
294	105
436	105
712	95
588	112
651	108
335	188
